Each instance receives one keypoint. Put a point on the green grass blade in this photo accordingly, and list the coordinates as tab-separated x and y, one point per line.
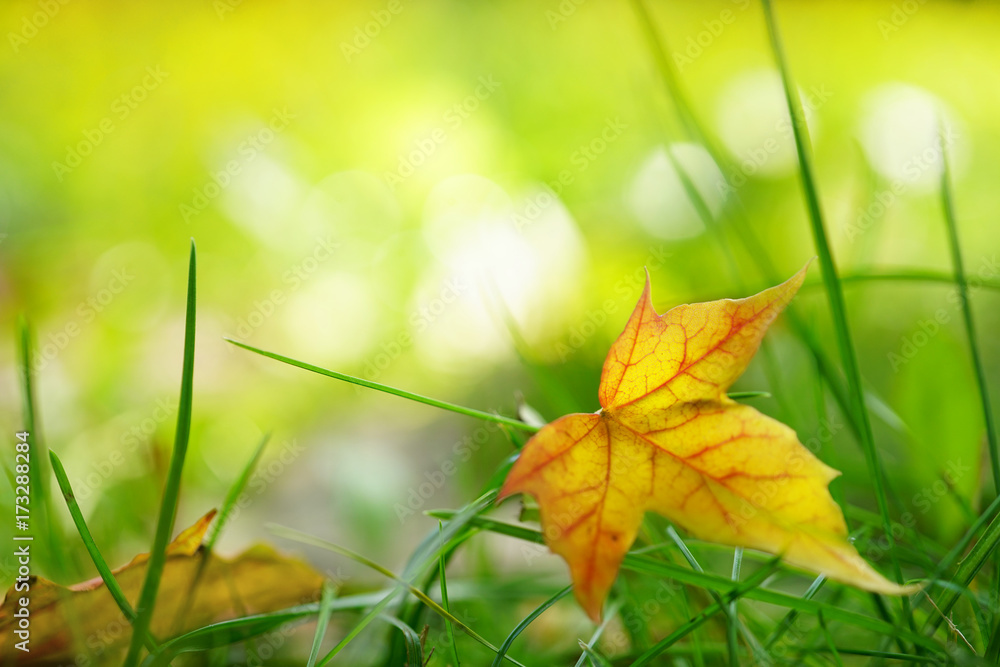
732	628
644	564
234	492
35	447
414	653
325	609
171	491
834	290
909	275
948	206
967	571
449	628
733	624
727	598
88	540
436	542
227	507
305	538
789	618
375	612
829	639
38	472
755	249
595	658
402	393
613	610
237	630
525	622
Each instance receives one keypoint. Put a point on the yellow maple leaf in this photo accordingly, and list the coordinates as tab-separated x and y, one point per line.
668	439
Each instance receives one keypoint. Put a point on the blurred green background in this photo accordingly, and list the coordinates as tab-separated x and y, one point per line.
382	188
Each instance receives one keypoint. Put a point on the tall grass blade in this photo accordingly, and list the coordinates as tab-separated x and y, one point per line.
948	206
171	491
834	290
38	473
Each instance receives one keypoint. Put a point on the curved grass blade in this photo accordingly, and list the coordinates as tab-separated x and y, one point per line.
727	598
613	610
525	622
948	206
414	653
171	491
237	630
325	609
437	543
594	657
88	540
305	538
374	613
444	405
227	507
640	563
